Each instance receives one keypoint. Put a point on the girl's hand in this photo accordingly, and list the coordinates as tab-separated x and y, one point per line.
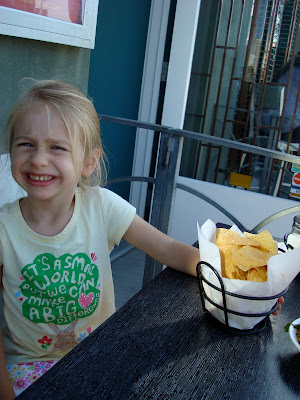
280	301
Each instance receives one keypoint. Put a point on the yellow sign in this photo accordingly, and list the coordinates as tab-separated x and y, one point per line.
240	180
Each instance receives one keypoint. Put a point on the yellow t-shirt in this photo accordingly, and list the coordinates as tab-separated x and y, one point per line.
57	290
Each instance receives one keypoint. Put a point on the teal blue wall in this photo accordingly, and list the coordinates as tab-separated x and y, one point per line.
25	58
116	68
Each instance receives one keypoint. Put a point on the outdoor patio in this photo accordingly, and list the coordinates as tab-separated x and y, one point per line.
128	271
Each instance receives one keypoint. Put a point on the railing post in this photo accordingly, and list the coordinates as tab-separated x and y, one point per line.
170	149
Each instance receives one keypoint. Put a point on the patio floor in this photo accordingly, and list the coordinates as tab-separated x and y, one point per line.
128	270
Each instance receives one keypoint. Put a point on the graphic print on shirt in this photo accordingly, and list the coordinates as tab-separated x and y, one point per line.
65	338
59	290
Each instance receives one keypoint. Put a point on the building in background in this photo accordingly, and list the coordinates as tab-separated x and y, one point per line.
203	65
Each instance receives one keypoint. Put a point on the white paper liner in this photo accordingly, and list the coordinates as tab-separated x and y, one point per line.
282	269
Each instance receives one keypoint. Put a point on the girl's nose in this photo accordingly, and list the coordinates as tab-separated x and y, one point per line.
39	157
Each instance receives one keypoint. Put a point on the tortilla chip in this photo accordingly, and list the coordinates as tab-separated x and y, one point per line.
265	240
255	275
227	237
227	265
229	269
245	258
249	257
238	273
263	272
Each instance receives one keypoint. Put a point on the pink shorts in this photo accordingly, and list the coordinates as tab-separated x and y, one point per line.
23	375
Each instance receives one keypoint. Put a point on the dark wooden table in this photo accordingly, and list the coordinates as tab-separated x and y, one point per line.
161	345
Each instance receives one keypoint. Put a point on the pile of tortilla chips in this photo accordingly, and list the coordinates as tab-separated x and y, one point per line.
245	258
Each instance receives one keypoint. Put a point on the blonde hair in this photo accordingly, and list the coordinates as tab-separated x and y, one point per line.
75	110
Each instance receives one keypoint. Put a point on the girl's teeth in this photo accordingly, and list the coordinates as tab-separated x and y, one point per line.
40	178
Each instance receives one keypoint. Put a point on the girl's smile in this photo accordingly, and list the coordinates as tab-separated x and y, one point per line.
42	180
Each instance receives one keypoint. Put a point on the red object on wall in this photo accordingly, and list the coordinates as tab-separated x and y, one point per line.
296	179
65	10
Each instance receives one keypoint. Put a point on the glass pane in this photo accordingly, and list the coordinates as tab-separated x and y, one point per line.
245	87
65	10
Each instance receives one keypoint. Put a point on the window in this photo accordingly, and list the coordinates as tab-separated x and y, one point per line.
71	22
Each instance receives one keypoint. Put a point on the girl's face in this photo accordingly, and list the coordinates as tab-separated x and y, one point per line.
41	156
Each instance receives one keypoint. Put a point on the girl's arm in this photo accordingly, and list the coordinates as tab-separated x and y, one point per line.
6	389
161	247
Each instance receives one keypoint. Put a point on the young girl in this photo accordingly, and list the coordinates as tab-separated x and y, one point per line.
55	243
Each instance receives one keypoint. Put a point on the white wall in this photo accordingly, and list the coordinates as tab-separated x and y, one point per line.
247	207
9	189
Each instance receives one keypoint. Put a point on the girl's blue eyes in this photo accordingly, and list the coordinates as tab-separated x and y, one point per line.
53	147
25	144
57	148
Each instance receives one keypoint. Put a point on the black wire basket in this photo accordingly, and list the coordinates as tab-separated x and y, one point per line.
257	328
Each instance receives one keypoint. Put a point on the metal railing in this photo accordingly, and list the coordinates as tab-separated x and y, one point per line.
165	181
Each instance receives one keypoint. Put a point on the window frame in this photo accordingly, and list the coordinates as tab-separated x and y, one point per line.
33	26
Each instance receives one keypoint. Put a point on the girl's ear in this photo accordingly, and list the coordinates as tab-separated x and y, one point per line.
90	164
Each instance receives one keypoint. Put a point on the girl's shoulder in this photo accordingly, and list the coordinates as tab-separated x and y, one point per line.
107	199
9	214
97	192
9	209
